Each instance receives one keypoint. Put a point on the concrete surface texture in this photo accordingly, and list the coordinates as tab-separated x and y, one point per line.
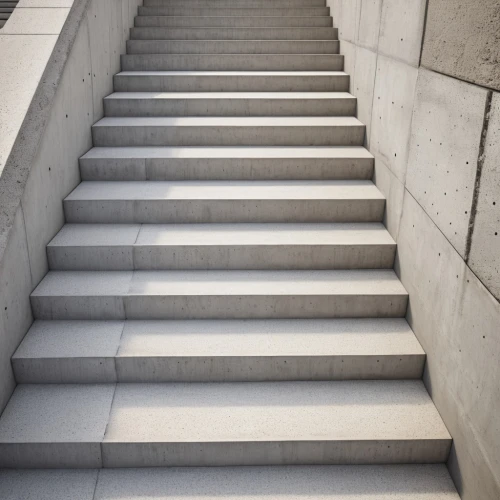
219	290
407	482
423	73
462	39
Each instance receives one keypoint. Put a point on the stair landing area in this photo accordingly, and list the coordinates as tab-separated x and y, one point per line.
222	294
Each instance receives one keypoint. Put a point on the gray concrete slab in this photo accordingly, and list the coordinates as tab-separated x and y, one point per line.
369	24
236	3
28	55
218	294
68	352
408	482
446	134
47	484
269	10
273	423
232	47
233	21
183	351
231	81
393	97
484	257
401	30
136	104
36	21
94	247
218	350
229	131
73	295
238	163
158	33
461	40
55	426
222	201
233	62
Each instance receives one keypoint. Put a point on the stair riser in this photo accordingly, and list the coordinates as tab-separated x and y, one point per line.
233	22
88	455
233	34
195	211
232	62
50	455
232	47
231	83
169	169
234	3
218	307
229	107
228	11
284	257
216	369
351	135
274	453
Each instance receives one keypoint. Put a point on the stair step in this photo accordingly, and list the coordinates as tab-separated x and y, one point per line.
218	294
224	201
234	21
215	424
95	247
232	62
236	12
335	482
153	33
235	3
237	163
231	81
232	47
229	131
140	104
217	351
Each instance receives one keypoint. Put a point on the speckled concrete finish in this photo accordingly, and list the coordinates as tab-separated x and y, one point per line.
219	294
221	424
402	482
217	350
221	246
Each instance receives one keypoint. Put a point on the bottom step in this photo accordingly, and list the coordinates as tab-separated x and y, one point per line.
362	482
221	424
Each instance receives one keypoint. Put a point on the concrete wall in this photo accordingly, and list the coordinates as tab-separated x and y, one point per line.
436	142
58	58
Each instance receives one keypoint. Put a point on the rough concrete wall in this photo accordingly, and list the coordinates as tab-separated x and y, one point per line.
55	84
436	142
462	39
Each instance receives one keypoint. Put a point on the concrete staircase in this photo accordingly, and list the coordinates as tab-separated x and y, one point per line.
222	293
6	9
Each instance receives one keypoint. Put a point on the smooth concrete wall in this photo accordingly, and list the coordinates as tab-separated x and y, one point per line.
58	58
436	142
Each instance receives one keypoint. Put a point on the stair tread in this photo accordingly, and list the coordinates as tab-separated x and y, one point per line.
218	338
230	95
221	234
230	121
221	283
232	73
222	412
348	482
225	190
228	152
